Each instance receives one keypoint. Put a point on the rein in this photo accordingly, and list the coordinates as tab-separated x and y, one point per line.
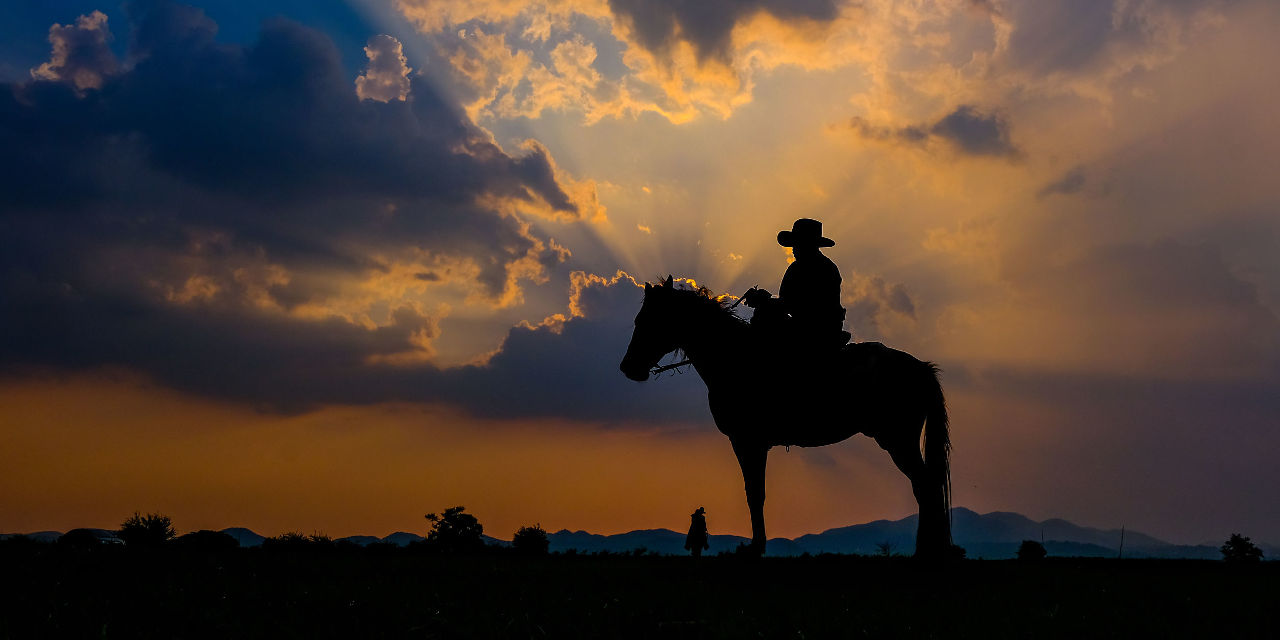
656	370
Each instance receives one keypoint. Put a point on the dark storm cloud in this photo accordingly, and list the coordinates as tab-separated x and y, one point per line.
278	121
708	24
276	364
169	220
574	372
1071	182
976	133
1051	35
967	129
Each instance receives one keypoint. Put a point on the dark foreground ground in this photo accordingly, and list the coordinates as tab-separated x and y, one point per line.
119	593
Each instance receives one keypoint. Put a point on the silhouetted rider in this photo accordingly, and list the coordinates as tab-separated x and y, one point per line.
807	309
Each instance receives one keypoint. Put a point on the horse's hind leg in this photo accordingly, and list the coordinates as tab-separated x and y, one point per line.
929	531
752	457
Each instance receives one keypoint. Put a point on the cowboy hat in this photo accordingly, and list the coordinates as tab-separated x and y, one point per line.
805	232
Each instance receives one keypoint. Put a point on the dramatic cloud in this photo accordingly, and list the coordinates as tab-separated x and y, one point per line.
81	54
967	129
387	76
676	59
976	133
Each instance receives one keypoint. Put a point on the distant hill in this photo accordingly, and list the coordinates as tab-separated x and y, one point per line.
38	536
360	540
994	535
245	537
402	538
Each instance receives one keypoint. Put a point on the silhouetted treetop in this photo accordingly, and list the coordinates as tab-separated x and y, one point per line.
1239	548
151	530
455	530
531	540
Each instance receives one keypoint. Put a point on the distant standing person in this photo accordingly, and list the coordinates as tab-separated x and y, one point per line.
696	541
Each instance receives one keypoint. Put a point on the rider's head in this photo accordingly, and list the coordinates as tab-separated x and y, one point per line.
805	237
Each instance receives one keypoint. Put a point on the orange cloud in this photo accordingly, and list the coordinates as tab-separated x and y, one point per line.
677	81
387	75
81	55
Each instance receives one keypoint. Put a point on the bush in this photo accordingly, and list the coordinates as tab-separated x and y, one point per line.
87	538
455	531
19	541
1238	548
1031	550
295	540
531	541
151	530
206	540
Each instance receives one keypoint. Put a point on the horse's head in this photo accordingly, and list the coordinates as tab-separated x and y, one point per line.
655	332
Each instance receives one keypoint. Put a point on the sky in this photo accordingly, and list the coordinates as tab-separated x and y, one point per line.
328	266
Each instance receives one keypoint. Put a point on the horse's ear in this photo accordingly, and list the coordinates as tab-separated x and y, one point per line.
667	284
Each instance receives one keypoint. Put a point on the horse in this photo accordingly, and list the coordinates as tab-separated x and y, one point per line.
761	398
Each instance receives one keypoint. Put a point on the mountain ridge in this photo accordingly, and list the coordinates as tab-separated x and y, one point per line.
993	535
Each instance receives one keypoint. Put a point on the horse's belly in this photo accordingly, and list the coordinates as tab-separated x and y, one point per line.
816	430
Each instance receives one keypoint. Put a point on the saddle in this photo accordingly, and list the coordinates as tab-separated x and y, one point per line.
780	334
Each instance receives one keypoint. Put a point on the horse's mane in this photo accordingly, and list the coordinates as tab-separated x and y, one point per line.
706	301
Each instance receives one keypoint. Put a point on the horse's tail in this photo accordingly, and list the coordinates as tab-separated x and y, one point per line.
937	446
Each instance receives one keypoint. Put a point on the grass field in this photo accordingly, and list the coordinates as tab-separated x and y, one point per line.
126	593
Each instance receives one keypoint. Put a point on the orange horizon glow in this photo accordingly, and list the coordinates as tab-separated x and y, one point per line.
376	470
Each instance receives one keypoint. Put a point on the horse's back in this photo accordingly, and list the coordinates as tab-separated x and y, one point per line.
872	362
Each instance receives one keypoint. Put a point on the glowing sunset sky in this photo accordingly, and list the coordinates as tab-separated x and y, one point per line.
325	265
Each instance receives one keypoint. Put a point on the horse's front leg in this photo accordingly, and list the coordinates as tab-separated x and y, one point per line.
751	457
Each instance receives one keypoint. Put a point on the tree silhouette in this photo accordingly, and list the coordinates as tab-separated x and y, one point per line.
151	530
1031	550
455	530
884	549
1238	548
531	541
